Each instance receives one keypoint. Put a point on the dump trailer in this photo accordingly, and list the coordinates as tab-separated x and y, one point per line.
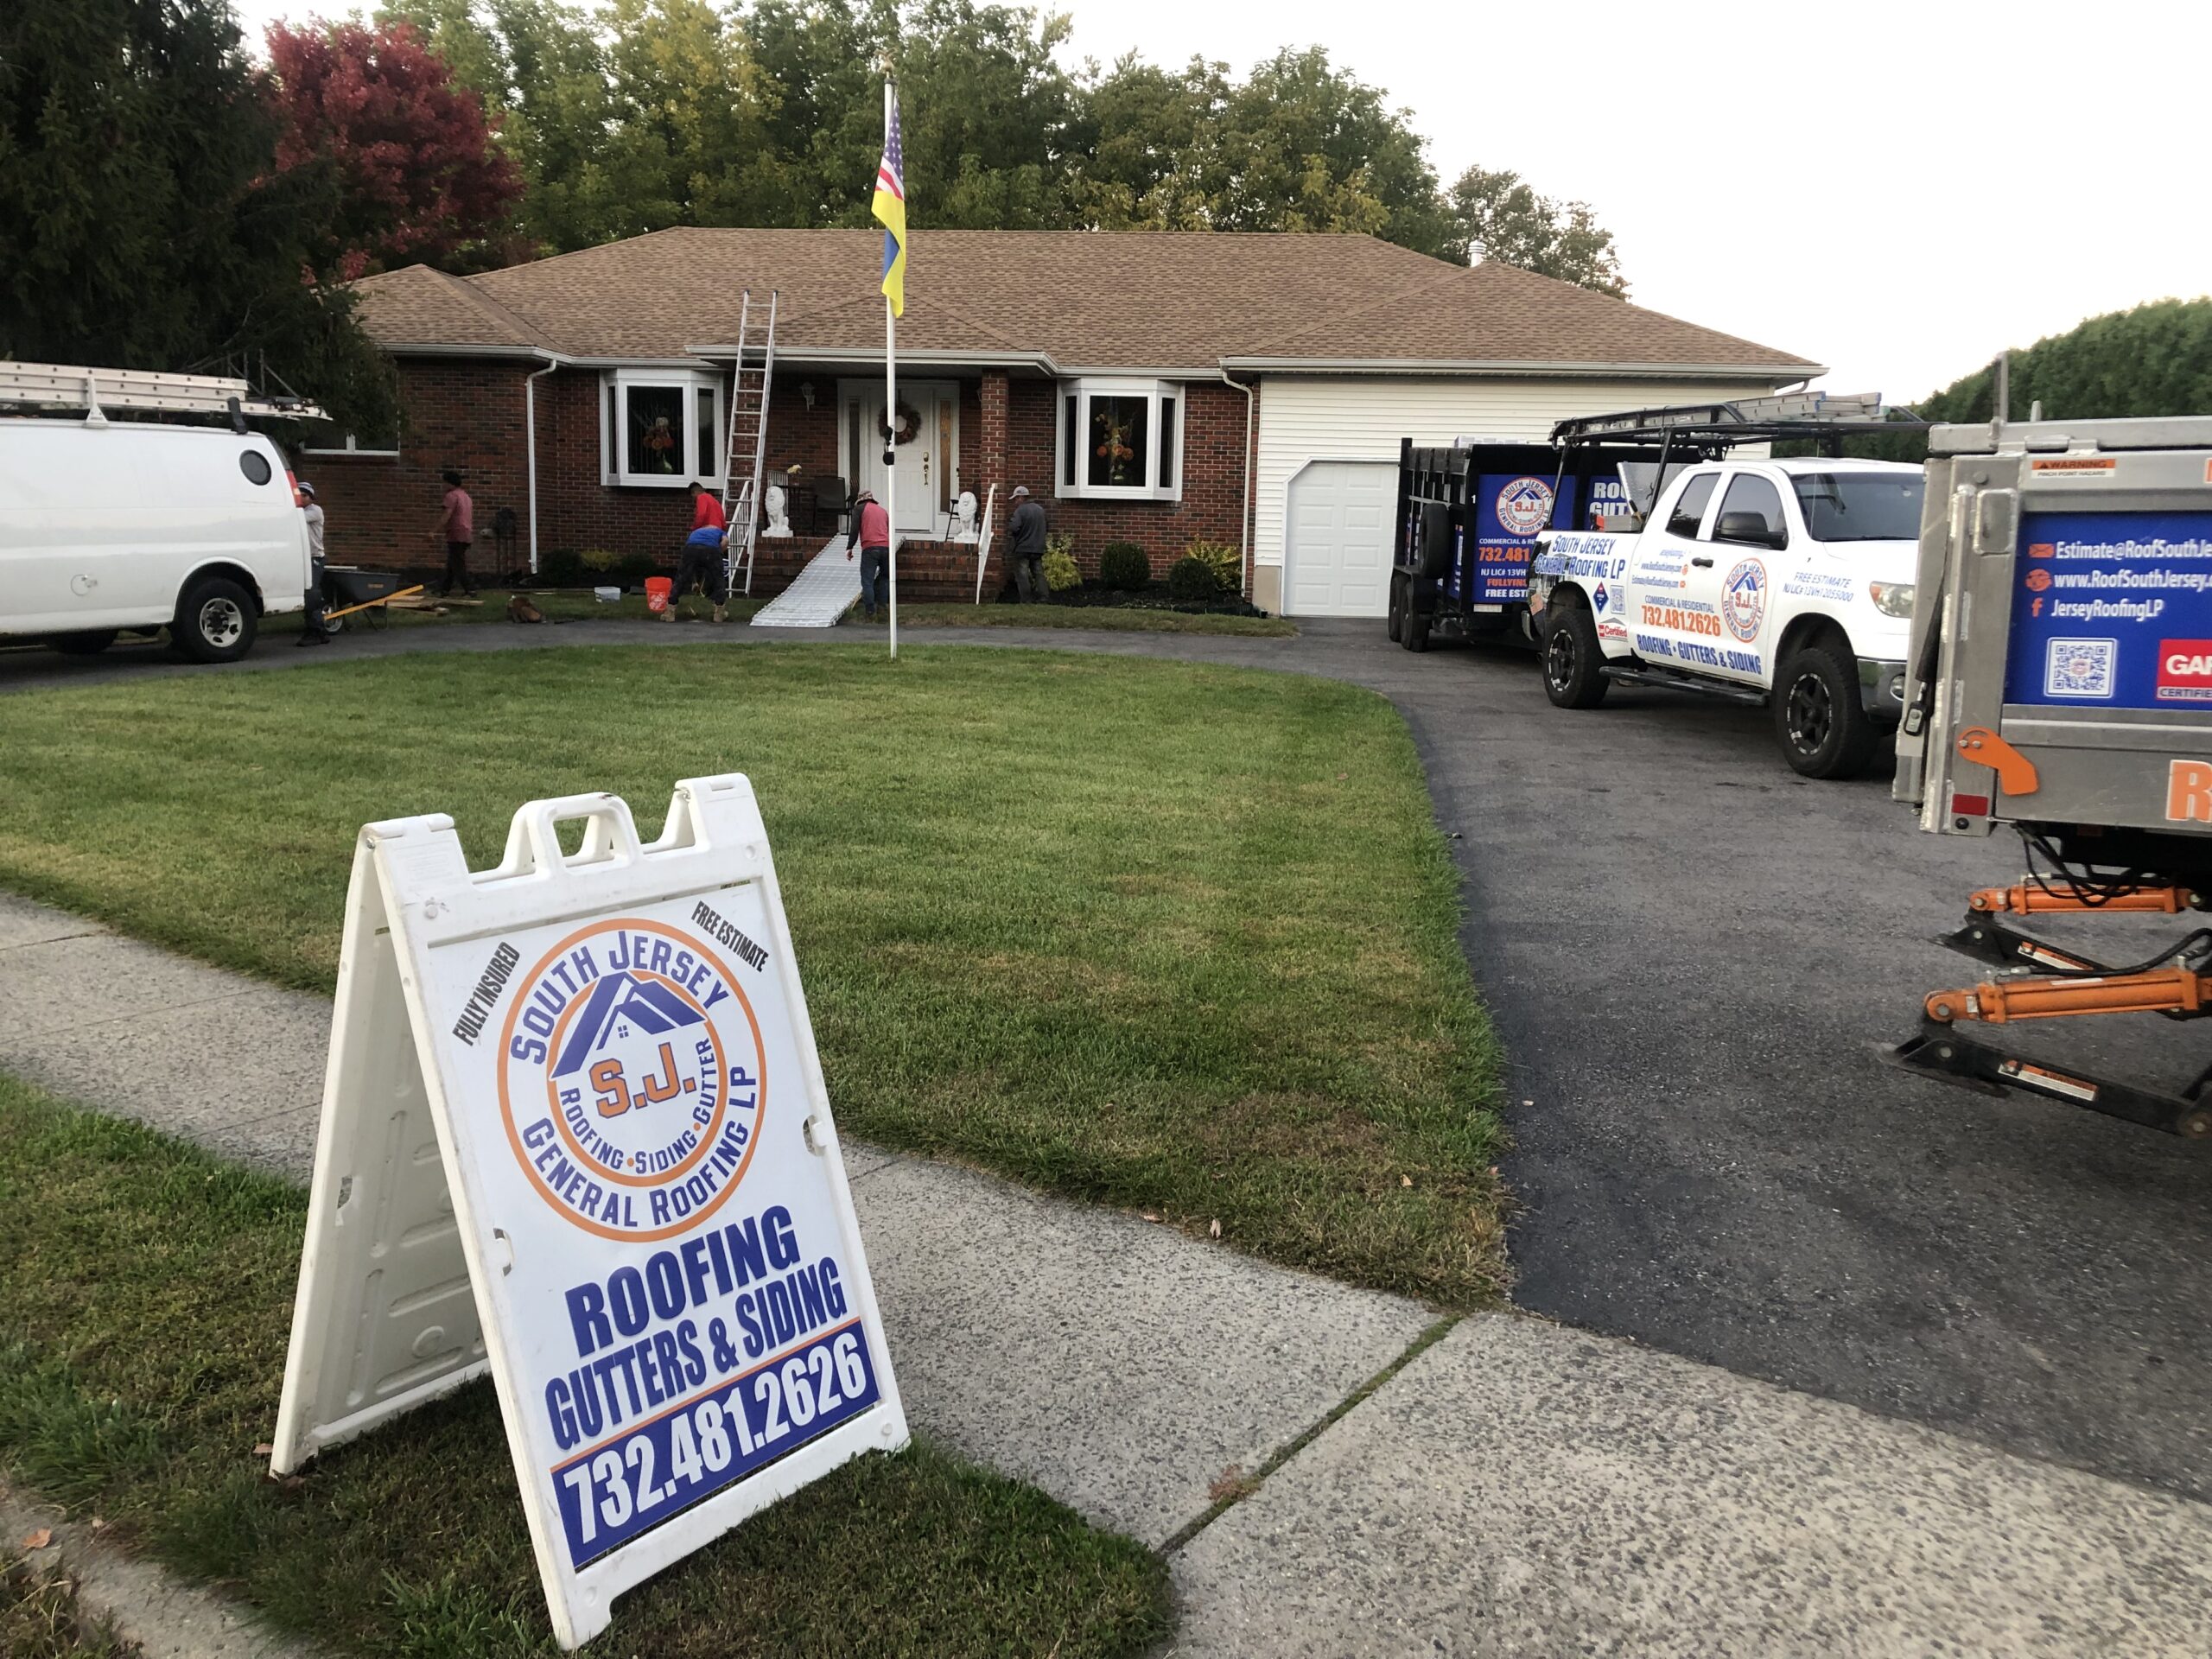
1468	516
2059	687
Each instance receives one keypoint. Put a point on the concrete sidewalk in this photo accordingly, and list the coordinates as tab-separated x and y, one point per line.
1516	1488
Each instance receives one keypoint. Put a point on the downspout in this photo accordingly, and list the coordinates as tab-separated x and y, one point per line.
1244	518
530	446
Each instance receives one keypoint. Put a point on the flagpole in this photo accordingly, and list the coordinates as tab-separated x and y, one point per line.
891	412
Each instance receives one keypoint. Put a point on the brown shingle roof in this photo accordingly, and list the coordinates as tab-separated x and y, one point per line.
1135	299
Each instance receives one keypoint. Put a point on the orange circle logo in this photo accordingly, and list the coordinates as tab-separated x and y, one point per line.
631	1079
2038	580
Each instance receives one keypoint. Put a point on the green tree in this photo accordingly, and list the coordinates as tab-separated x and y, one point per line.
143	222
1499	216
2154	359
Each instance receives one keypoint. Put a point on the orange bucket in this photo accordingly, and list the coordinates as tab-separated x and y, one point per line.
657	588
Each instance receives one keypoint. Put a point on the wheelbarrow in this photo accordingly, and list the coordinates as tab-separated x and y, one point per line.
354	590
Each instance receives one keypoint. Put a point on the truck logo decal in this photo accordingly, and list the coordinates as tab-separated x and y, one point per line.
1743	599
1525	507
2185	671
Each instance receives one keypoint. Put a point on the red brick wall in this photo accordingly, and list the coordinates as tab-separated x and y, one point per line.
461	414
467	414
1212	466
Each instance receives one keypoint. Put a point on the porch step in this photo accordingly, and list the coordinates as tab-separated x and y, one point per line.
819	595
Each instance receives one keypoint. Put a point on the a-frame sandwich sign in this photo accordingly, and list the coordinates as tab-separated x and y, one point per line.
575	1132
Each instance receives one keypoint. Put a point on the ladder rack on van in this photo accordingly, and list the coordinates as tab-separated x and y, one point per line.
92	392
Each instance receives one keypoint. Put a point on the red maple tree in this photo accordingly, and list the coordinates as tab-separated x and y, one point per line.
418	168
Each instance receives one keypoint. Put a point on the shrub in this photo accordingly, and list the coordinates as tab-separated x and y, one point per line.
1226	563
1059	564
1190	581
596	558
1123	565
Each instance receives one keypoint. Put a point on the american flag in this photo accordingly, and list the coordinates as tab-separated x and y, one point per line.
890	206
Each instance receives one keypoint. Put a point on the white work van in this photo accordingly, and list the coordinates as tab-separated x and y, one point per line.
1782	582
114	525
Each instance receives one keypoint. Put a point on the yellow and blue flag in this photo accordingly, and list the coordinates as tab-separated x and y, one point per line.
890	206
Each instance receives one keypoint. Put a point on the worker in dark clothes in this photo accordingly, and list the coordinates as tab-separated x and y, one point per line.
702	563
1025	545
872	530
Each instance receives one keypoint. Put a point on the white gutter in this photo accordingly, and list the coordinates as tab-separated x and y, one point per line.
530	446
1243	518
1531	367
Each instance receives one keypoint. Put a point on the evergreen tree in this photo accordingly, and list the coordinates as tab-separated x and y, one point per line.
142	224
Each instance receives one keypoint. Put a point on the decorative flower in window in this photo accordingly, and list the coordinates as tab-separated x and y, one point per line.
1115	448
660	444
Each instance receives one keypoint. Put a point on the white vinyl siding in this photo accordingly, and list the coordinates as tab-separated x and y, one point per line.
1308	418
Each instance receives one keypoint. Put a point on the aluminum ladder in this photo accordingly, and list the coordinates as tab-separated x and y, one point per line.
92	392
748	438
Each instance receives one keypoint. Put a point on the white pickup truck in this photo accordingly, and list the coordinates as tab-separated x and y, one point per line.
1782	582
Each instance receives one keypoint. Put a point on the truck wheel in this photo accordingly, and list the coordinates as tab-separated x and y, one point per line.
1574	675
1395	626
89	643
1824	728
1416	630
215	621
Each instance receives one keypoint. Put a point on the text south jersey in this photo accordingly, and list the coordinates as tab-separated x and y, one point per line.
630	1078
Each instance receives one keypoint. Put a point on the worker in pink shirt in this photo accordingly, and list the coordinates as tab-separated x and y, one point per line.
871	531
458	525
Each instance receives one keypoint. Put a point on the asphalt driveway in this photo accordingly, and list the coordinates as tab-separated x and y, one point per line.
1694	958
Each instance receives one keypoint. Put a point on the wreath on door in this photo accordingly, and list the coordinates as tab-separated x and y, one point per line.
910	425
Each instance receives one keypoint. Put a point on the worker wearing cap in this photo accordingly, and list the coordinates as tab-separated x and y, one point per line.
313	634
1025	545
872	531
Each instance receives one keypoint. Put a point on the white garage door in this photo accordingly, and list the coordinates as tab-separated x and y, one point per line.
1338	551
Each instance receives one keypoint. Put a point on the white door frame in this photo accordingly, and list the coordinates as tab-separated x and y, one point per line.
922	490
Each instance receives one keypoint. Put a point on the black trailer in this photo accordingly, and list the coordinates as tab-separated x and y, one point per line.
1468	516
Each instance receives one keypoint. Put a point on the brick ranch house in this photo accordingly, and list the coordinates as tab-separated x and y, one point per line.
1152	387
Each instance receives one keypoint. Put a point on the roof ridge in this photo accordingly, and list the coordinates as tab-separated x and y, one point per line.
525	331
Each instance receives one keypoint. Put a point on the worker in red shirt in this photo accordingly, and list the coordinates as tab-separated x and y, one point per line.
702	563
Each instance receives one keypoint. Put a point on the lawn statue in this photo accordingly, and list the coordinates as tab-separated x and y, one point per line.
964	517
779	512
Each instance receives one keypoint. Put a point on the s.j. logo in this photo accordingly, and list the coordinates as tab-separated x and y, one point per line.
629	1079
1743	599
1525	507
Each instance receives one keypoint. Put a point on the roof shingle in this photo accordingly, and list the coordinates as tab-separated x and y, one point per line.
1085	300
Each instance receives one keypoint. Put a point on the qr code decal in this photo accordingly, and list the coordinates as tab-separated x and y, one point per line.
2080	668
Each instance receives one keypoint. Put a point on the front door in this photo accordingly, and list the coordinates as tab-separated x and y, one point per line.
929	459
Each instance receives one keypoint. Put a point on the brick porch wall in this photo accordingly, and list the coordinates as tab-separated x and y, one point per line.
467	414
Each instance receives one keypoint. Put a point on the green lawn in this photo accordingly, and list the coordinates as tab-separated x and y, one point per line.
145	1300
1170	937
1104	618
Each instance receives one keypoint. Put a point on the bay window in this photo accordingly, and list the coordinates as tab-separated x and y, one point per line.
1121	440
661	428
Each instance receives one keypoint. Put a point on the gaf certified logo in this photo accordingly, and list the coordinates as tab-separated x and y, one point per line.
2185	671
1525	507
1743	599
1598	596
2080	668
629	1079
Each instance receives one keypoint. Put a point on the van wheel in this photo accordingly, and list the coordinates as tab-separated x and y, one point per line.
89	643
215	621
1396	625
1824	728
1574	666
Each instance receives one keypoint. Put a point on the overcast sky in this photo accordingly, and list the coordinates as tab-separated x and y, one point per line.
1898	190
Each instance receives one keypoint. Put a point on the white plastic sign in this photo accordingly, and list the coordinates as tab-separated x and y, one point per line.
575	1132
